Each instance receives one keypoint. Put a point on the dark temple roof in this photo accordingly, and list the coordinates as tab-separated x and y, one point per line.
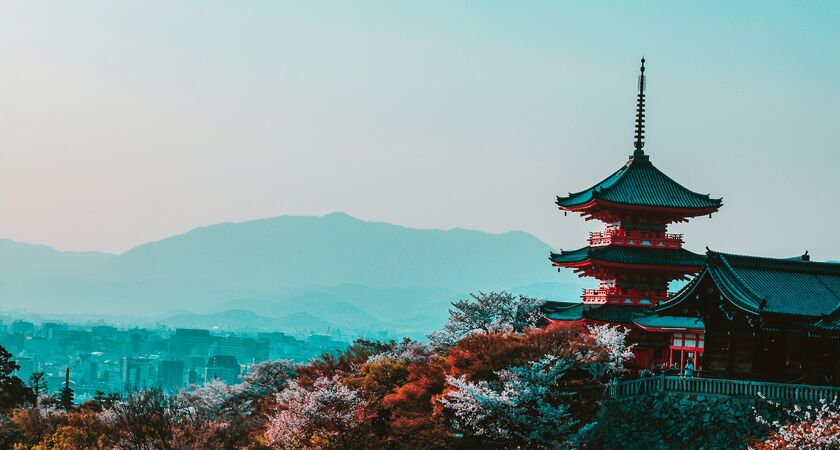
640	183
572	311
769	285
830	322
630	255
618	314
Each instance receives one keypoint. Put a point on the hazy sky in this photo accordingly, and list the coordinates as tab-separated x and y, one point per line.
128	122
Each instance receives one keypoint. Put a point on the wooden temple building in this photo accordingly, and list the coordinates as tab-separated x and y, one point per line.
739	317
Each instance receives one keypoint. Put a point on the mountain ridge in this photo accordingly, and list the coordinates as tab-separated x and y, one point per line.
393	275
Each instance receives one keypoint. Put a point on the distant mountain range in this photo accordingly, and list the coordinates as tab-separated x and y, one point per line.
338	270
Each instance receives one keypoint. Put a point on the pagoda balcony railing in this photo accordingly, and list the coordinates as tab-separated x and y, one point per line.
718	386
624	296
635	239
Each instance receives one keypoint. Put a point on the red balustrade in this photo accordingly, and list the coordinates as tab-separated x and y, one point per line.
613	236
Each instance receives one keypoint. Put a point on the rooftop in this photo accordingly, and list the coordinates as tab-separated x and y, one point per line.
640	183
793	286
618	314
629	255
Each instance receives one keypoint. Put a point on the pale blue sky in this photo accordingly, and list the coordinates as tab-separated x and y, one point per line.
125	122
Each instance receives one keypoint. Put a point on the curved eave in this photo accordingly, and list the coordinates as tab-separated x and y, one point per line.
573	199
642	174
683	294
735	289
682	261
662	322
567	259
731	291
619	265
599	204
667	329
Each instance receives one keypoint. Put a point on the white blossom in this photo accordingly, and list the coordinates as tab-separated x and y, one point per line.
326	412
808	428
496	312
212	400
614	339
408	350
269	376
524	405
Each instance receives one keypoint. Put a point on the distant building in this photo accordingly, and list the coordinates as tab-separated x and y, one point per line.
323	343
192	377
282	346
48	328
34	345
22	327
222	367
243	348
135	372
104	331
27	366
189	342
170	374
87	369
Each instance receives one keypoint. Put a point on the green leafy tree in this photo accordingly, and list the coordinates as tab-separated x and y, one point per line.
13	391
38	383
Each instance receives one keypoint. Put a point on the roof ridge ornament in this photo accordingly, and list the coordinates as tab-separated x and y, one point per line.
640	113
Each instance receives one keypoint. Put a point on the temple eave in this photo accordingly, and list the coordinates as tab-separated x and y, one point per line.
600	207
623	265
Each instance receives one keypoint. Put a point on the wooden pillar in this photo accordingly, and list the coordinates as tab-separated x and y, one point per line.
730	358
759	363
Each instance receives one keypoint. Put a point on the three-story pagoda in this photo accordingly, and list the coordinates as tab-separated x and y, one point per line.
634	257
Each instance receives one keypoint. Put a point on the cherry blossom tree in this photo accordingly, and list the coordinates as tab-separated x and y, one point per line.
808	428
269	376
326	415
614	339
407	350
496	312
525	407
214	400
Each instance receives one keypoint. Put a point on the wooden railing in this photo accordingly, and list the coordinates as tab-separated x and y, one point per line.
635	239
717	386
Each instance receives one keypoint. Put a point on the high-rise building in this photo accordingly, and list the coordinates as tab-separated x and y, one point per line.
170	374
192	377
222	367
190	342
22	327
135	372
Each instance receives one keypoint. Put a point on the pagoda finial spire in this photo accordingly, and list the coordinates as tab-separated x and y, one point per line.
640	113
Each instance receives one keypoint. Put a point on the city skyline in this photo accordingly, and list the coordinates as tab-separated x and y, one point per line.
126	128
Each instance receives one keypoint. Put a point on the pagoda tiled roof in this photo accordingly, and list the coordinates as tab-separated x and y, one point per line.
566	311
618	314
630	255
793	286
573	311
615	313
640	183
